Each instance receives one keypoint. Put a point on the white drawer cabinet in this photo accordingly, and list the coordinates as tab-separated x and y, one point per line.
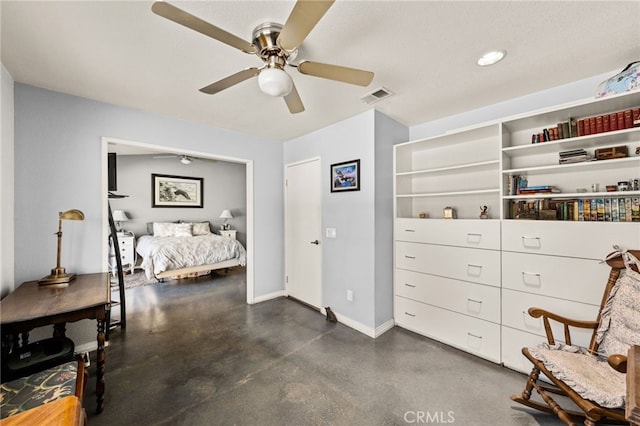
473	335
479	266
475	300
515	314
441	265
127	252
581	280
574	239
460	232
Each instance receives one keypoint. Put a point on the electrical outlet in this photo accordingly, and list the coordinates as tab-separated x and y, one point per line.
350	295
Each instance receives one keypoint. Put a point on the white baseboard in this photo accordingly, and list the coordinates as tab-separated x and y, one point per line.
384	327
269	296
371	332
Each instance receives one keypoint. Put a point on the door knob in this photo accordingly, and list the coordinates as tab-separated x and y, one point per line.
316	242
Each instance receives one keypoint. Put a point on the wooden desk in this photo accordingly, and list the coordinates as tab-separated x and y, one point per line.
30	306
61	412
633	385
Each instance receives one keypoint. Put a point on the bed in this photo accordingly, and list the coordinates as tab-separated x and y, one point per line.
186	249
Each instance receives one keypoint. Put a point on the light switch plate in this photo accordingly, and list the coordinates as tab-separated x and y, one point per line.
331	233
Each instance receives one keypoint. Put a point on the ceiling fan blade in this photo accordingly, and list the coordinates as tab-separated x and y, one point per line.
294	103
181	17
336	72
229	81
304	16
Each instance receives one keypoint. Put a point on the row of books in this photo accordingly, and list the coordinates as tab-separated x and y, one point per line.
618	120
622	209
574	156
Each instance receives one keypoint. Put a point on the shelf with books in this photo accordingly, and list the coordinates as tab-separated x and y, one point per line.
599	140
521	127
579	209
586	165
568	195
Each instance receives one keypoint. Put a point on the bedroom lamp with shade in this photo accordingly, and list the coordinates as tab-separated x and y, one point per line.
226	215
118	217
58	274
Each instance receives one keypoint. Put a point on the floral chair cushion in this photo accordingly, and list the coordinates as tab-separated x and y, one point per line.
37	389
620	318
590	375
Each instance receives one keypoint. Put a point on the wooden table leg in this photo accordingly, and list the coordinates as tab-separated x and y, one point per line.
100	367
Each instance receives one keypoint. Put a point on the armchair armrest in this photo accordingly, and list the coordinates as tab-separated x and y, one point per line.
566	322
618	362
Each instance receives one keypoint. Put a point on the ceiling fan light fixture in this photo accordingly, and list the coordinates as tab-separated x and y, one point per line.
274	81
491	58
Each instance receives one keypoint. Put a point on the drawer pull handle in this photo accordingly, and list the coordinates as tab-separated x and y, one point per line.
410	285
535	242
474	300
409	230
530	282
474	270
409	257
473	237
474	335
411	315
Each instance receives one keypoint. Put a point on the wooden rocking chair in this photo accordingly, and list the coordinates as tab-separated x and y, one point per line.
563	383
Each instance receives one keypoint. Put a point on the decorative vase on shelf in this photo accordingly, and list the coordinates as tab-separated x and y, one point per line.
483	212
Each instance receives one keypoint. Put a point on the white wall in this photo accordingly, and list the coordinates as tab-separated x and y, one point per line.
7	282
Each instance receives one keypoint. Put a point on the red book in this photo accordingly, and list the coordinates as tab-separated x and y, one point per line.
636	117
605	123
581	128
592	125
620	115
613	122
628	119
599	124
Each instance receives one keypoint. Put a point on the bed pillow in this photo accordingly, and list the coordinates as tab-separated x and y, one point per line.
163	229
182	230
201	228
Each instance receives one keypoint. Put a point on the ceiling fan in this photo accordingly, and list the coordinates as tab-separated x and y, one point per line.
184	159
277	46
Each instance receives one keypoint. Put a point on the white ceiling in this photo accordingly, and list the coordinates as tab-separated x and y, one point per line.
424	51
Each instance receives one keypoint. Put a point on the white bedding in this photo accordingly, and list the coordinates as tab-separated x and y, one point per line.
161	254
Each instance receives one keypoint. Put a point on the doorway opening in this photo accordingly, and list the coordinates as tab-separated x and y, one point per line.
140	147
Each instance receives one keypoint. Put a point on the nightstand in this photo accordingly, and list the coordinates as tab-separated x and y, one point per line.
229	233
127	252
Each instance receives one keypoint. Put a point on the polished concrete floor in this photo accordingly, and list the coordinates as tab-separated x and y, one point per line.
194	353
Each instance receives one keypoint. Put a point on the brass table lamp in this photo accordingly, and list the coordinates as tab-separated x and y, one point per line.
58	274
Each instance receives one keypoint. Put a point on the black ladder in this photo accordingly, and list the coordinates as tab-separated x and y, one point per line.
122	322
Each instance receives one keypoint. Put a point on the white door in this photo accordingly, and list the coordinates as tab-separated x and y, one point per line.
303	230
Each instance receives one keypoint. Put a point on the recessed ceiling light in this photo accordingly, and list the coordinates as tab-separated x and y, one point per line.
491	58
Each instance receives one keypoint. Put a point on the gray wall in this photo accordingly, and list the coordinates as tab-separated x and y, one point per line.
58	166
350	262
7	282
388	132
552	97
224	187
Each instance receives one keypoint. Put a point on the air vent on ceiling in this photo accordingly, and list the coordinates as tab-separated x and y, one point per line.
376	95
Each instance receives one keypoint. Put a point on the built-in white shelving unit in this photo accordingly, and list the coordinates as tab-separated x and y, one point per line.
468	282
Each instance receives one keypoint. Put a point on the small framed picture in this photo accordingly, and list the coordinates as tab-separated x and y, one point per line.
176	191
345	176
